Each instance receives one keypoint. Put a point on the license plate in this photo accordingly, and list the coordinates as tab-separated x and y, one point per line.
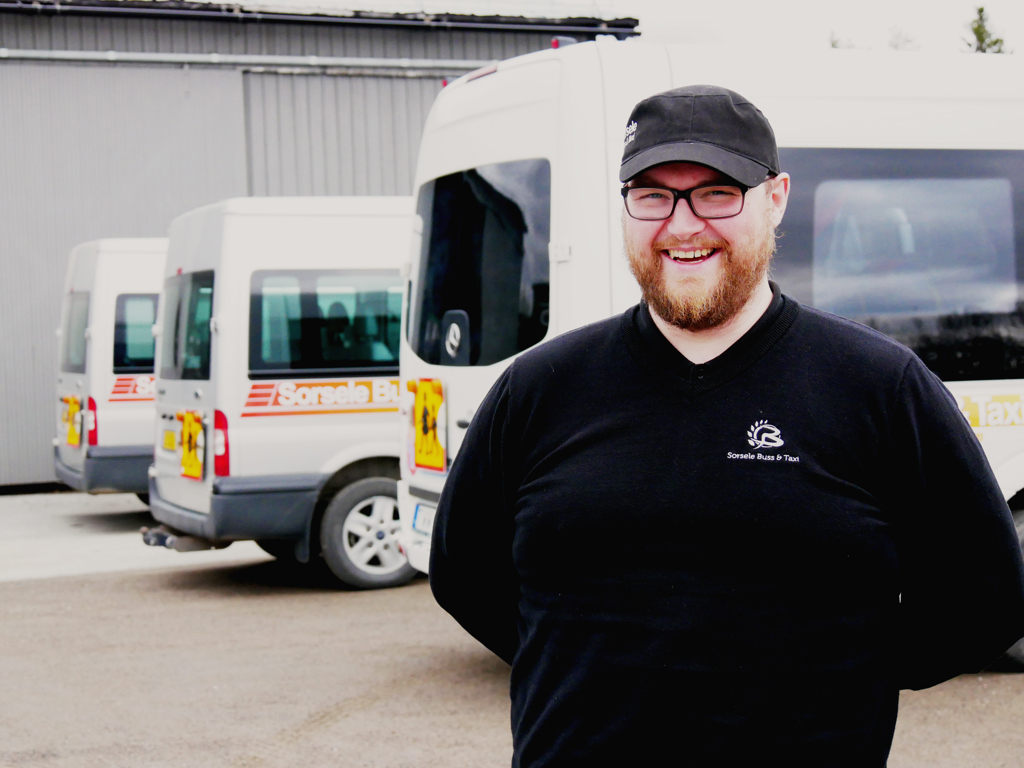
423	519
193	445
428	425
72	418
170	440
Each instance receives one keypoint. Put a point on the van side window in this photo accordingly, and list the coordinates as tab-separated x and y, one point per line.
901	247
76	319
185	324
134	315
315	322
926	246
484	262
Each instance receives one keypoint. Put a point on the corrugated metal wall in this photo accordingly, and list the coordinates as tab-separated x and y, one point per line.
82	33
118	150
89	152
322	135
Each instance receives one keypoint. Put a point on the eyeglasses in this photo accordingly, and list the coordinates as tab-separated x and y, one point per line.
712	201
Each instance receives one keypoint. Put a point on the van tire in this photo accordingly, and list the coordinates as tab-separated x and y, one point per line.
144	498
362	519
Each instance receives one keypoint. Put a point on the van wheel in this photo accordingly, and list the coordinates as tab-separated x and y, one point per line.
1013	659
358	535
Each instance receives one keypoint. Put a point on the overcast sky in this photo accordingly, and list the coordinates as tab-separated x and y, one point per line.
926	25
931	25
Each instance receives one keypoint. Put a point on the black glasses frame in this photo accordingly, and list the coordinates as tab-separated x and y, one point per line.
684	194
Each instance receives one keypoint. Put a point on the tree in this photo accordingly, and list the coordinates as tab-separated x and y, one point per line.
899	40
835	42
984	40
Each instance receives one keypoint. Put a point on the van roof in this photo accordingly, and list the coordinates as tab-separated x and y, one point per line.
125	245
312	206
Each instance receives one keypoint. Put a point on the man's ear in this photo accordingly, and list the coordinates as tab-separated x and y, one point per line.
778	197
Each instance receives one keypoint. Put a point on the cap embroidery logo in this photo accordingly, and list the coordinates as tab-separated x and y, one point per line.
630	132
764	435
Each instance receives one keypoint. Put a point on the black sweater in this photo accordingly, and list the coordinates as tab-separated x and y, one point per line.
739	562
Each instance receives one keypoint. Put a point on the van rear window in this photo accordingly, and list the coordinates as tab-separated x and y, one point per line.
134	315
922	245
76	319
316	322
484	264
185	322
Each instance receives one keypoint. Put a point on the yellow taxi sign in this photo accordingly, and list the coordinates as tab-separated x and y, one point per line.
193	444
428	425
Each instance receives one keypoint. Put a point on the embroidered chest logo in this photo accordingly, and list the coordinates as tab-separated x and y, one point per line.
760	436
764	435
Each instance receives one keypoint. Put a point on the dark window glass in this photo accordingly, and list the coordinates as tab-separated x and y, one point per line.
185	345
921	245
485	254
134	316
320	322
73	343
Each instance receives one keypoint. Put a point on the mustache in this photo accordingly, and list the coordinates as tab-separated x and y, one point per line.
674	242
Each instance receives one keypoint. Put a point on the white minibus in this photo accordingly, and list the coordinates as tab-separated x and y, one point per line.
277	382
104	404
906	214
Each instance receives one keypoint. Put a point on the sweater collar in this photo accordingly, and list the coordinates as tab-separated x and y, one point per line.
656	352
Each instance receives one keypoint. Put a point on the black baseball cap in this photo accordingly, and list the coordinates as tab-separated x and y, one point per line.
702	124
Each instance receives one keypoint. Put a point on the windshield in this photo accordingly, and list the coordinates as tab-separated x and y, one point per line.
188	307
318	322
76	318
483	265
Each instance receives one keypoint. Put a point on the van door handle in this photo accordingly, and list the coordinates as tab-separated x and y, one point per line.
161	391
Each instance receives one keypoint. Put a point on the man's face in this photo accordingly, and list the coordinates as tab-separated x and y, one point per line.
697	273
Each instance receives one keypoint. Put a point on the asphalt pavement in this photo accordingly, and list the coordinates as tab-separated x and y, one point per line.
117	654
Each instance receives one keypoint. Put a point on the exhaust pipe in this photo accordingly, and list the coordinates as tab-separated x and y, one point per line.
162	536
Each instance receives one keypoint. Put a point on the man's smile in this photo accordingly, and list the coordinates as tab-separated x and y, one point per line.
690	256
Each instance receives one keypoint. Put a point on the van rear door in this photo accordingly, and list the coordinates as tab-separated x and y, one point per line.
184	423
72	398
72	392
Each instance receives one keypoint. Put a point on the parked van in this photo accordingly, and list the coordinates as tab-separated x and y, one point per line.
104	411
906	214
277	382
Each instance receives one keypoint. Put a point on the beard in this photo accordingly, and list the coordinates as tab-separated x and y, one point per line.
689	303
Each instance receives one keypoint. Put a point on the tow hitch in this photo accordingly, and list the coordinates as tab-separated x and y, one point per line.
162	536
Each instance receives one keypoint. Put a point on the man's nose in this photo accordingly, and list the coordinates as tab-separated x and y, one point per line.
684	223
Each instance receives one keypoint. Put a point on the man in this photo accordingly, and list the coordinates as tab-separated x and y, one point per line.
721	526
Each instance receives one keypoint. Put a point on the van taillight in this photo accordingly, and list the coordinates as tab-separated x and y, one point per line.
221	449
91	423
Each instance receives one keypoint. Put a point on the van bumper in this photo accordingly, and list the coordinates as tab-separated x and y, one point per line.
415	541
116	468
242	508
